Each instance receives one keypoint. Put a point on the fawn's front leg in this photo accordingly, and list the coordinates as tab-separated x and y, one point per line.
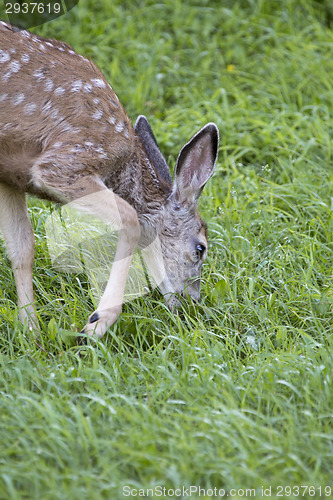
122	217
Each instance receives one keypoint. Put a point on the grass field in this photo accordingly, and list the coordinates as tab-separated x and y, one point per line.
235	392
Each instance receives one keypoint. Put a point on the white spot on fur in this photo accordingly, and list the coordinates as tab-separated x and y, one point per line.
112	120
49	85
26	34
12	50
101	153
25	58
42	47
119	127
71	52
96	100
89	144
61	49
57	144
76	86
78	148
98	114
6	76
54	114
98	82
126	134
87	87
30	108
38	73
15	66
3	97
49	44
4	56
59	91
16	100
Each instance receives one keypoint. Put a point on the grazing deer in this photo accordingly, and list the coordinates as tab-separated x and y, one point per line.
65	137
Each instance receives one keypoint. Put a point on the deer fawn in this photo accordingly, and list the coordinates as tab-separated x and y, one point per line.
65	137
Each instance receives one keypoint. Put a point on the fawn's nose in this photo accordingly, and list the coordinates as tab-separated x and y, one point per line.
192	290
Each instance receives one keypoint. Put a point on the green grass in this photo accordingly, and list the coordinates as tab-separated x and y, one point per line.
235	392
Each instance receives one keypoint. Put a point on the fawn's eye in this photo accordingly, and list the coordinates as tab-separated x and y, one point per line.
199	251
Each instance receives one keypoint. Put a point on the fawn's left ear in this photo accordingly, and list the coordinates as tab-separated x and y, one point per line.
143	130
196	163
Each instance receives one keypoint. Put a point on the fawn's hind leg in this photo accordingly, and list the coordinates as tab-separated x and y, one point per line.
19	239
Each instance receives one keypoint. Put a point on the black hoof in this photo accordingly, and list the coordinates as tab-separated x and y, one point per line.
94	317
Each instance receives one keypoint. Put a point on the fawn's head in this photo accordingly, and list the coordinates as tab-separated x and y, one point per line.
181	231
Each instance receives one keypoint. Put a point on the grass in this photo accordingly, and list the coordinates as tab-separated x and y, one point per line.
235	392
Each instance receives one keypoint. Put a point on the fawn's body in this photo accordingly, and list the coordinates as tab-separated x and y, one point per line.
64	136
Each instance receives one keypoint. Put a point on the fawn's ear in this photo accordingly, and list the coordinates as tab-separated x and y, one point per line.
145	133
196	163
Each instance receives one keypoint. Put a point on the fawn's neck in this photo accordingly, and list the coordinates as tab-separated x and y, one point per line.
140	184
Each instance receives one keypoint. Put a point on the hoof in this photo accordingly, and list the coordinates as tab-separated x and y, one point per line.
94	317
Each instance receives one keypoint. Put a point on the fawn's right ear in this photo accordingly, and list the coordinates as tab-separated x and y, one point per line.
145	133
196	164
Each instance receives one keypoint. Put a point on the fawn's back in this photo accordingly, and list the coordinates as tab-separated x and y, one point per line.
56	109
